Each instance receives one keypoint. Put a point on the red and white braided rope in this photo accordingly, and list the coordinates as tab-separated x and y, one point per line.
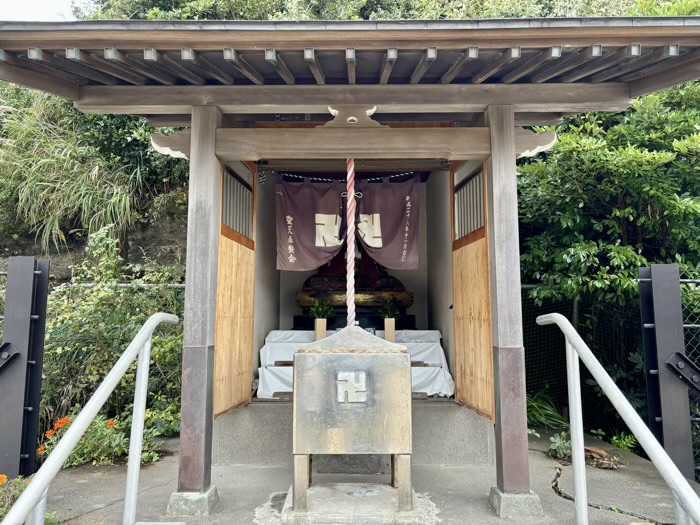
350	216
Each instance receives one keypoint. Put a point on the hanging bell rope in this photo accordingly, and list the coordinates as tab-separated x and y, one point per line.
350	284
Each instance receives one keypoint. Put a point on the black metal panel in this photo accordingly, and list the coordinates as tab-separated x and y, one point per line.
34	370
13	377
651	363
668	330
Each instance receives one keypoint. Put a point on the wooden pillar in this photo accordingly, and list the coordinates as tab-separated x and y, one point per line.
203	224
508	354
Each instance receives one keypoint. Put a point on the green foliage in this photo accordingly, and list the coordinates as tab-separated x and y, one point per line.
322	310
345	10
11	490
630	380
104	442
560	446
617	192
65	173
53	177
90	324
542	413
389	310
666	8
599	433
624	441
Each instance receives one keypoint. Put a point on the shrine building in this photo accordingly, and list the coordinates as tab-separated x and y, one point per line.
433	115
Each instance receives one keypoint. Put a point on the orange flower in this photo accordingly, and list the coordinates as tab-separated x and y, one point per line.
65	421
3	479
111	424
42	450
50	433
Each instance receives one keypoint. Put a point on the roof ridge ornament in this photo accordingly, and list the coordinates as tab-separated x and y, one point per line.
352	117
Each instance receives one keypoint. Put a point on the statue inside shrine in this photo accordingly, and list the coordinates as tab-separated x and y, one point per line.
374	289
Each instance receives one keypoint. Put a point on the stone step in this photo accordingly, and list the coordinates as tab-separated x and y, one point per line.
444	433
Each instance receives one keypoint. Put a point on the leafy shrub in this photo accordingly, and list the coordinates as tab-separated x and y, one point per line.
90	323
104	441
10	491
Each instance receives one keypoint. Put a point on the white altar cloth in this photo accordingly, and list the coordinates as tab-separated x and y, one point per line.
431	380
423	345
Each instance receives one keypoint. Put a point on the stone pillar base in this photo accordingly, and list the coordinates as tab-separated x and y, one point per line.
511	505
193	503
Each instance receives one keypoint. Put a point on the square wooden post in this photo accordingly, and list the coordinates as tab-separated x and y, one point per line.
203	225
509	359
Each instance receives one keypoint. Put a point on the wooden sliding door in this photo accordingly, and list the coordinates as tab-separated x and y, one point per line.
233	354
474	374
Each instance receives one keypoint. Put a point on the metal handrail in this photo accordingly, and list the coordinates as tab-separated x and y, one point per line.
687	502
32	503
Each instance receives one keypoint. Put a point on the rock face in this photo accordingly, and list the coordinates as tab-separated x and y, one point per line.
163	242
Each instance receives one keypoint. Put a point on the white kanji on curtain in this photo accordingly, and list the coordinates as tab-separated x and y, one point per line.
369	229
327	230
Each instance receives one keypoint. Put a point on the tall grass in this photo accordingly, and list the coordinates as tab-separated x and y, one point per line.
58	181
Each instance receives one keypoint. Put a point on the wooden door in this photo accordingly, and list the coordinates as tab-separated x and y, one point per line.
234	351
474	373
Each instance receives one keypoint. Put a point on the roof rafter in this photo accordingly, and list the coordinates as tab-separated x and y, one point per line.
276	61
78	55
567	64
39	55
633	51
542	58
187	54
426	60
234	57
153	55
351	64
496	64
113	54
390	58
314	65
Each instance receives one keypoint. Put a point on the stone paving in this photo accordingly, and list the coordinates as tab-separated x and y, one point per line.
254	495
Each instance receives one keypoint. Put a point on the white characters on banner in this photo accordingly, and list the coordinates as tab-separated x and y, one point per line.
290	239
404	251
328	230
370	229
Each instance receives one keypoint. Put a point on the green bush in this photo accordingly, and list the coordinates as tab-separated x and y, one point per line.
104	441
90	323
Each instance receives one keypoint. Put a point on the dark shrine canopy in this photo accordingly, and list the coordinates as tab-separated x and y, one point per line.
544	67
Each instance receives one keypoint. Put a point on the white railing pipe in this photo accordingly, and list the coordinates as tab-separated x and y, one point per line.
34	492
686	498
136	441
578	453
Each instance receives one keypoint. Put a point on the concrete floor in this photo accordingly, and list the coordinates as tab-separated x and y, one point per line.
254	494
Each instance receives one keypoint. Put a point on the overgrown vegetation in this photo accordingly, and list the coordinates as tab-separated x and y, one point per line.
90	323
617	192
64	174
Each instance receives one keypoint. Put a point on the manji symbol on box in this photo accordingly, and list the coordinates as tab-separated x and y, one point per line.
352	387
352	403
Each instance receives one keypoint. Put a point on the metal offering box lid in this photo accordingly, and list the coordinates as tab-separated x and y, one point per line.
352	339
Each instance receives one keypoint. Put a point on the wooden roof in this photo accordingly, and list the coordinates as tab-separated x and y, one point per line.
95	62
